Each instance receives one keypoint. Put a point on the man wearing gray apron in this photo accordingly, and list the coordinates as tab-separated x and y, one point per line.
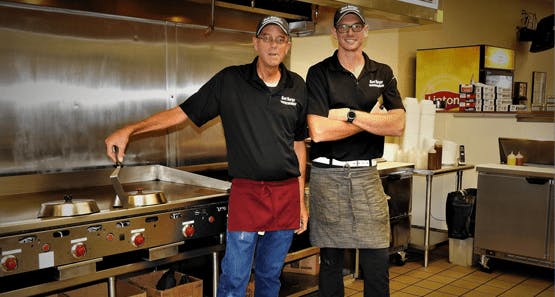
348	207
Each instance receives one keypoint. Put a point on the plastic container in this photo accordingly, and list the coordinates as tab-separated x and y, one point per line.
421	160
438	147
433	160
449	152
519	159
511	159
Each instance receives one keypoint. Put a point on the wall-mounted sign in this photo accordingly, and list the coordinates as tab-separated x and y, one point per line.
499	58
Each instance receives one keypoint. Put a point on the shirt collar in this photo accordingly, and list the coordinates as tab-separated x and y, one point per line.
369	65
284	81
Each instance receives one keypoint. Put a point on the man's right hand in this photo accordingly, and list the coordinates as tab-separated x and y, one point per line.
119	138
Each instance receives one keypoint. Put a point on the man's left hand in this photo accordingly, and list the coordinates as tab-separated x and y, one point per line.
304	221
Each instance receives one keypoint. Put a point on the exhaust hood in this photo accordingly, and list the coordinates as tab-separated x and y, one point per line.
309	17
306	17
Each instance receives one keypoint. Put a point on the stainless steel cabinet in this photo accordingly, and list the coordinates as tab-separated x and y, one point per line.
514	218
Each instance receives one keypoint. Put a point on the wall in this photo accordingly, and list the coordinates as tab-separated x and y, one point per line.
465	23
471	22
381	46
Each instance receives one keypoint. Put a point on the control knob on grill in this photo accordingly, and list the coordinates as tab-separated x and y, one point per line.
79	250
9	263
137	239
188	230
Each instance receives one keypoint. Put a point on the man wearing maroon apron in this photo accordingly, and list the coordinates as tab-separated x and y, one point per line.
262	106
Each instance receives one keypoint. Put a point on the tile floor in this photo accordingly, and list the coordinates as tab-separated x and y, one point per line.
442	278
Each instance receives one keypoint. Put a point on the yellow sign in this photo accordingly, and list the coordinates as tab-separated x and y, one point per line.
444	69
499	58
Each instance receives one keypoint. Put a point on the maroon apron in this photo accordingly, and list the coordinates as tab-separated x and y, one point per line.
264	205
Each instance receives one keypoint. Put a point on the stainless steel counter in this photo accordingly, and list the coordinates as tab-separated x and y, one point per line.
429	182
526	170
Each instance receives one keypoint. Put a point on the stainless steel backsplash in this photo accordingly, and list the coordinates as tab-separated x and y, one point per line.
68	79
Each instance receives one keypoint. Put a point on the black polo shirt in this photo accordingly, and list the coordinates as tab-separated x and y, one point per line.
260	124
332	86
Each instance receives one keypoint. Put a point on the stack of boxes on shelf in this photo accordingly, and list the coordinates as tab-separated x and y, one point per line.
550	103
467	98
482	97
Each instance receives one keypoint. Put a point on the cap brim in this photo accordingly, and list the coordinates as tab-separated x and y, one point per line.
361	17
272	23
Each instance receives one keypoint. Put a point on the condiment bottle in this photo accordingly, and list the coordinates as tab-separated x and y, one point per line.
421	159
511	159
432	159
519	159
438	147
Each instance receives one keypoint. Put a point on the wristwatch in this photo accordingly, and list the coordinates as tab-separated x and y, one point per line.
351	115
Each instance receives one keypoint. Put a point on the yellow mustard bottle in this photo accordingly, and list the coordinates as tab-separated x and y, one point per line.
511	159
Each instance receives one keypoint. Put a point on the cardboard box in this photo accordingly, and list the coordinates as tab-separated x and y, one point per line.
123	289
466	88
488	101
503	101
467	96
502	108
517	107
148	283
309	265
488	108
500	90
250	288
503	96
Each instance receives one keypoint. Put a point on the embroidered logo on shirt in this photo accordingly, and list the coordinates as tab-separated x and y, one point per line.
288	101
376	83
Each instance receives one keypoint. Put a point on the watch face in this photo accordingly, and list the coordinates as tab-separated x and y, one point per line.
351	116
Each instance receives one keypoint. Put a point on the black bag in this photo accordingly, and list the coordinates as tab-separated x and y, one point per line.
460	211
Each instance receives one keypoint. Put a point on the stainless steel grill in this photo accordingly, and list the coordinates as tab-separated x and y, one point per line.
81	246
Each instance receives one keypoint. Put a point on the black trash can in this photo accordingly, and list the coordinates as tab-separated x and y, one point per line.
460	211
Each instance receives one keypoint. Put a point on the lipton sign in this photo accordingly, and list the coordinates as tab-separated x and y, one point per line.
448	99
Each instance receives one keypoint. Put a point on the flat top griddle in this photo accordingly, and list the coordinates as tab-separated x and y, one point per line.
19	209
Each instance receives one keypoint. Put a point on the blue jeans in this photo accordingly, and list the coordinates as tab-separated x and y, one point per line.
267	251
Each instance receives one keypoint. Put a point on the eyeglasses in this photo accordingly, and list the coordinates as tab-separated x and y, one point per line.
344	28
269	39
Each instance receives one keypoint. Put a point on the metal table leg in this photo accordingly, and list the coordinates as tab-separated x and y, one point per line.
357	255
215	273
459	179
112	286
427	218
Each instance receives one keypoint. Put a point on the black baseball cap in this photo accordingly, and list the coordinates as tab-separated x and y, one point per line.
273	20
345	10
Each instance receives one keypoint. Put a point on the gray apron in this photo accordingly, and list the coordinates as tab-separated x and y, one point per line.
348	208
